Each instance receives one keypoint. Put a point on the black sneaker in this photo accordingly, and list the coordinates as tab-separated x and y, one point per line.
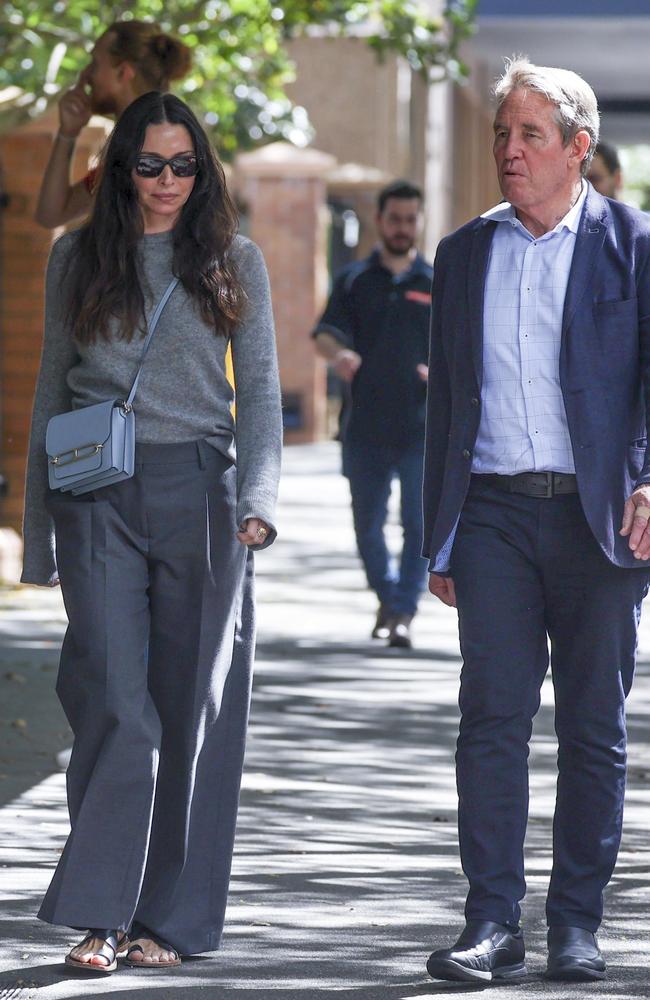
485	951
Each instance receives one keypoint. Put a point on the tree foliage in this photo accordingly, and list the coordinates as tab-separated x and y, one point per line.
241	66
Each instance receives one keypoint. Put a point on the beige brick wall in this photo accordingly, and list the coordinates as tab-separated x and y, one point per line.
475	187
353	102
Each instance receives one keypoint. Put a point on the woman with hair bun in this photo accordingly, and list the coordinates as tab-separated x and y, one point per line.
131	58
157	569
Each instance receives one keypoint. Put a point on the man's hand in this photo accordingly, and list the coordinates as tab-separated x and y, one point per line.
636	515
74	109
346	364
443	588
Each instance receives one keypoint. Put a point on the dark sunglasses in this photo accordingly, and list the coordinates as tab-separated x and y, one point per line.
149	165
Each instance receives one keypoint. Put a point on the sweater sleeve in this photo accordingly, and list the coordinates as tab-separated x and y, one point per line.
258	431
52	397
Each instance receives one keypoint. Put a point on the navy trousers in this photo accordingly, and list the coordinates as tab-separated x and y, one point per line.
370	469
155	680
526	571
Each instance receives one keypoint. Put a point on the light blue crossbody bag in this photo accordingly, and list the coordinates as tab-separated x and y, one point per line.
95	446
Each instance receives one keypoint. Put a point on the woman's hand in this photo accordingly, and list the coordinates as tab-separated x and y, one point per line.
253	532
74	110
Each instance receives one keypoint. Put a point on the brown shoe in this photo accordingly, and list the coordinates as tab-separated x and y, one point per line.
400	632
383	623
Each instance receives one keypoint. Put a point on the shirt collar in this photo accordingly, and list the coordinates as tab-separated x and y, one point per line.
505	212
418	265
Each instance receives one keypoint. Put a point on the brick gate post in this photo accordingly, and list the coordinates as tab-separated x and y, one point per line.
284	190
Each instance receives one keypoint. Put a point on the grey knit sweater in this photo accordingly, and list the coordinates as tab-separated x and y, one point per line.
183	393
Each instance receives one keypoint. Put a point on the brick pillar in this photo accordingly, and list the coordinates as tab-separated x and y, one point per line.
24	248
284	190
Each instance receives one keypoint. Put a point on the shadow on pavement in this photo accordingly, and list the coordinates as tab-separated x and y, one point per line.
346	871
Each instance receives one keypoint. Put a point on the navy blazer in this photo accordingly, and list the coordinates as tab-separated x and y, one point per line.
604	369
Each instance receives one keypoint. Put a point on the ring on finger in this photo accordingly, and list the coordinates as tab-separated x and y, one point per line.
643	511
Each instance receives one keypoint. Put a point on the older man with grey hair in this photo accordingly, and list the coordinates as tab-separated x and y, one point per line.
536	508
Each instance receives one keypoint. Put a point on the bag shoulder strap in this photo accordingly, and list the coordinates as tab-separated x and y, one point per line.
151	326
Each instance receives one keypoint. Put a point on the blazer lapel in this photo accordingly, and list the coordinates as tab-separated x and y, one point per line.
476	274
589	241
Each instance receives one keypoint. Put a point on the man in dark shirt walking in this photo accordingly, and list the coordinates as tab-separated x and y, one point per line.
605	171
374	332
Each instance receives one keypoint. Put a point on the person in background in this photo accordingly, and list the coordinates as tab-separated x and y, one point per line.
374	333
537	514
605	171
157	570
129	59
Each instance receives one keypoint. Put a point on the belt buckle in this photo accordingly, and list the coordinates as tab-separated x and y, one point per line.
548	487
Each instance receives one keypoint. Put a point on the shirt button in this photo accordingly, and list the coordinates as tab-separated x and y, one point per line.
466	453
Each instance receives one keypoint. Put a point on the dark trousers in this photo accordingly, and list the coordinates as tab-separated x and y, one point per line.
370	470
526	569
155	679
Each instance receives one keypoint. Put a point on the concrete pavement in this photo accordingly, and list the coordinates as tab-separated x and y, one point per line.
346	871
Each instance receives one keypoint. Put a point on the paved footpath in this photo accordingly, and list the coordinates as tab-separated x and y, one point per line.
346	871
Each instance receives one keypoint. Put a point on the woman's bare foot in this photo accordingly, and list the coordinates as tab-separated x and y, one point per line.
88	951
97	950
145	950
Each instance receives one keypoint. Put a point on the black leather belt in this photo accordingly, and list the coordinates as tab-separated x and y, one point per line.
532	484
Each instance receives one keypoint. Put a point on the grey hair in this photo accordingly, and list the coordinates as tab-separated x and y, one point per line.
575	102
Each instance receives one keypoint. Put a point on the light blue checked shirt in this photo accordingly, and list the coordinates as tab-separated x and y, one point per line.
523	425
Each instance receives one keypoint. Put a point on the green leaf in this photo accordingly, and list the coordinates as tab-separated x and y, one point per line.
241	65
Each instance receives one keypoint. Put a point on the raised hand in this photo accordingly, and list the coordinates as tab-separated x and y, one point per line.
74	109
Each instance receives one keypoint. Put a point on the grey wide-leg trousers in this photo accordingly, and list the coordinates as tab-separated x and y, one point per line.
155	680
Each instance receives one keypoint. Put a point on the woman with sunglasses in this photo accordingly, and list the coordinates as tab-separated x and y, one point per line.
156	570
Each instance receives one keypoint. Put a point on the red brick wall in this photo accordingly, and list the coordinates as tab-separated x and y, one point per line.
23	255
24	248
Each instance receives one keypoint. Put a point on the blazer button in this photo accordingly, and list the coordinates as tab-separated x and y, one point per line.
474	401
466	453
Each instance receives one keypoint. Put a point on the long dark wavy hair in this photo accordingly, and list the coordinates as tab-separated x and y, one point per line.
104	279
